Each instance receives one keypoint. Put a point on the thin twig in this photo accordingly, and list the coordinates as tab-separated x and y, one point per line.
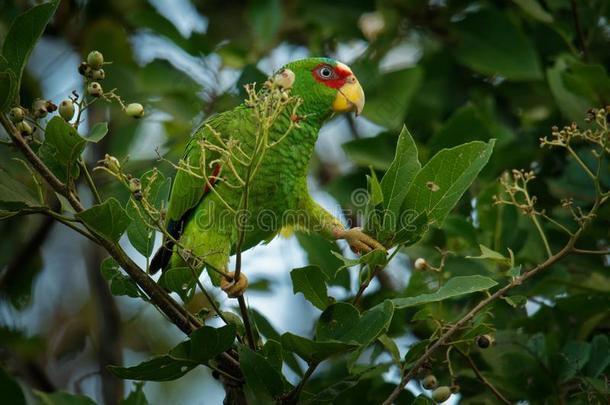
293	396
482	378
444	338
90	182
581	36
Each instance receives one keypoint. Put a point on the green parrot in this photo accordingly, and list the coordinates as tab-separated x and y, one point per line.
198	213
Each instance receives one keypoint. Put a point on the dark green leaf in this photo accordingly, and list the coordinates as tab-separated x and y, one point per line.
533	8
264	380
342	322
123	285
310	281
600	356
98	132
208	342
7	88
179	280
573	358
108	219
491	44
14	191
273	352
136	397
161	368
312	351
10	389
265	18
444	179
397	179
21	38
109	268
61	148
454	287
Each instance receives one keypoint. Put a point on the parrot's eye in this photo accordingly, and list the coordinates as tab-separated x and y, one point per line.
325	72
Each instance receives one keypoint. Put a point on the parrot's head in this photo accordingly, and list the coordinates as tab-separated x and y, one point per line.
324	85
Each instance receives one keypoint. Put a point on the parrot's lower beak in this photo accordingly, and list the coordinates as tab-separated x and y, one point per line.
350	97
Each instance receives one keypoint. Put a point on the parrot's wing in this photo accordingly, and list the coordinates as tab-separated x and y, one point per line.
188	190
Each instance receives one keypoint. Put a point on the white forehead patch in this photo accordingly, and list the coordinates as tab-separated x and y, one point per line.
343	66
284	78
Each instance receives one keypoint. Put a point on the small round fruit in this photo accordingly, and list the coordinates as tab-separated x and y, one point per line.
484	341
441	394
66	109
421	264
39	108
429	382
135	110
24	128
17	114
94	89
97	74
83	68
95	59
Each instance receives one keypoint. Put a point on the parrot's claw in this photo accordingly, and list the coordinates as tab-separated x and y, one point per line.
359	241
234	288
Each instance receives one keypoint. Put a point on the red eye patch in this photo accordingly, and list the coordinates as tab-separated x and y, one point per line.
331	76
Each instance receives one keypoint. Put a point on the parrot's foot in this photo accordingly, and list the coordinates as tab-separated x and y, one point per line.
234	288
358	240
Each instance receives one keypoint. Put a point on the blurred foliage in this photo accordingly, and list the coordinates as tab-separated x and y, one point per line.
454	72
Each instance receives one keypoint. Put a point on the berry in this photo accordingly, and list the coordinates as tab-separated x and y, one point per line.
24	128
441	394
429	382
94	89
66	109
97	74
421	264
83	68
135	110
17	114
95	59
39	108
484	341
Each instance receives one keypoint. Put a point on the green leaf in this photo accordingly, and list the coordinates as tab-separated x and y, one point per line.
342	322
454	287
600	356
387	105
161	368
398	178
109	268
491	44
375	152
415	351
533	8
7	88
373	258
273	352
390	345
573	358
179	280
155	190
422	400
63	398
208	342
136	397
489	254
108	219
443	180
573	106
10	389
264	380
123	285
98	132
14	191
19	42
61	148
265	17
516	301
311	282
312	351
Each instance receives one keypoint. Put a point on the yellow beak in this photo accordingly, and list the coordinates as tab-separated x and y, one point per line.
350	97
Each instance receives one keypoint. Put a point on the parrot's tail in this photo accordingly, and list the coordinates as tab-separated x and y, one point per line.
161	258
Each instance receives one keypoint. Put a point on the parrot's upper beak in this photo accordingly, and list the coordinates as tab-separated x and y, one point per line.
350	97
